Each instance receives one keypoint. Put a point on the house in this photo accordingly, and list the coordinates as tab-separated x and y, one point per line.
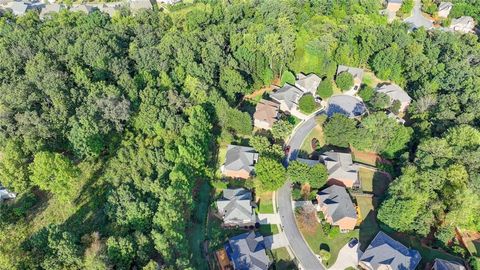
341	170
266	114
345	104
440	264
444	9
395	92
5	194
357	74
169	2
288	97
87	9
309	162
394	5
110	8
247	251
137	5
386	253
18	8
236	208
308	83
49	9
464	24
239	162
337	207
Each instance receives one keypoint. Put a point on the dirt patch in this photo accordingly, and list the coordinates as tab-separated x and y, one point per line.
261	91
369	158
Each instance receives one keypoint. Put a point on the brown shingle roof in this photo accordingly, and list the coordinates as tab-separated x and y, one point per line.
266	111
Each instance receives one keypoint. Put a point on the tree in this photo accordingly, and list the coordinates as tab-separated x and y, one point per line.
325	255
315	176
344	81
339	130
260	143
281	129
55	173
325	88
307	104
270	174
120	251
395	108
380	101
287	77
366	93
406	8
14	167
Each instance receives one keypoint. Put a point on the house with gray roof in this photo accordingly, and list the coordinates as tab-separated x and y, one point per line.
309	162
239	161
288	97
464	24
337	207
18	8
395	92
357	74
49	9
444	9
235	207
137	5
440	264
6	194
345	104
308	83
110	8
87	9
341	169
247	252
386	253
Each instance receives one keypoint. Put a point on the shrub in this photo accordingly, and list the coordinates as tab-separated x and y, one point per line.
406	8
287	77
380	101
325	89
344	81
395	108
366	93
325	255
307	104
334	232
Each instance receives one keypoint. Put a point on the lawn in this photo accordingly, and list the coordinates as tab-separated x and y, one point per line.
264	202
281	259
317	133
374	181
197	232
268	229
317	240
367	218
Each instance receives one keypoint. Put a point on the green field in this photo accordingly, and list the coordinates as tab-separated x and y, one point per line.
373	181
264	202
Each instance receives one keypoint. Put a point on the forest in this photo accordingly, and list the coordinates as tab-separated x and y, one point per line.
109	126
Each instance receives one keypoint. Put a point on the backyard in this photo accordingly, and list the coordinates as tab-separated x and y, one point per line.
281	259
375	182
264	203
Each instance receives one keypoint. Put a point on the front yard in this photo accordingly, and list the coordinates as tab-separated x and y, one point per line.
281	259
264	203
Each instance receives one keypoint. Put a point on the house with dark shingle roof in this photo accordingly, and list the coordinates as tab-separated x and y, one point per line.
337	207
440	264
345	104
341	169
247	251
386	253
239	161
266	114
395	92
235	207
288	97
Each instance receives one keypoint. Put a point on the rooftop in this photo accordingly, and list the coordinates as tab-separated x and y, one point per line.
346	105
395	92
338	203
247	251
240	158
235	205
289	94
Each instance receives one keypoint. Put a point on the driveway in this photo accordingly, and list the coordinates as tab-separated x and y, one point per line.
347	257
268	218
275	241
417	19
306	258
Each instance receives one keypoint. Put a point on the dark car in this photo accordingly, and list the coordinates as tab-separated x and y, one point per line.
353	242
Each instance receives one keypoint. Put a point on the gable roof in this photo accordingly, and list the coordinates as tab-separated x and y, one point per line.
289	94
309	162
136	5
82	8
356	72
235	205
346	105
464	21
266	111
395	1
395	92
384	251
109	8
240	158
338	203
308	83
445	6
17	7
447	265
50	8
247	251
340	166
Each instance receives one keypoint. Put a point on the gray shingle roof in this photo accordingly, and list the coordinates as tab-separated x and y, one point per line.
82	8
235	205
395	1
445	6
309	162
289	94
346	105
340	166
308	83
447	265
395	92
18	8
384	251
50	8
247	251
356	72
338	203
136	5
240	158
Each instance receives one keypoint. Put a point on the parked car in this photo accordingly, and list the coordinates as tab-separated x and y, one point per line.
353	242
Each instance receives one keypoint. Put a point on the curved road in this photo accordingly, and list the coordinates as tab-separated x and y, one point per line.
307	259
417	19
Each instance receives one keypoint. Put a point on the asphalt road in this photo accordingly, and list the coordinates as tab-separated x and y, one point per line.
307	259
417	19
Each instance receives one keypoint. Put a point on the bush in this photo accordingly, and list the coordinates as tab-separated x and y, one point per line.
334	232
406	8
325	255
287	77
366	93
474	263
307	104
380	101
325	89
395	108
344	81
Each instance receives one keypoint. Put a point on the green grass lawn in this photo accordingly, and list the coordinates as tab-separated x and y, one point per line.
264	202
374	182
268	229
318	240
281	259
317	133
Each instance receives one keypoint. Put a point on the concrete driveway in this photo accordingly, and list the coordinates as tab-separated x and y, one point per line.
268	218
347	257
275	241
417	19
